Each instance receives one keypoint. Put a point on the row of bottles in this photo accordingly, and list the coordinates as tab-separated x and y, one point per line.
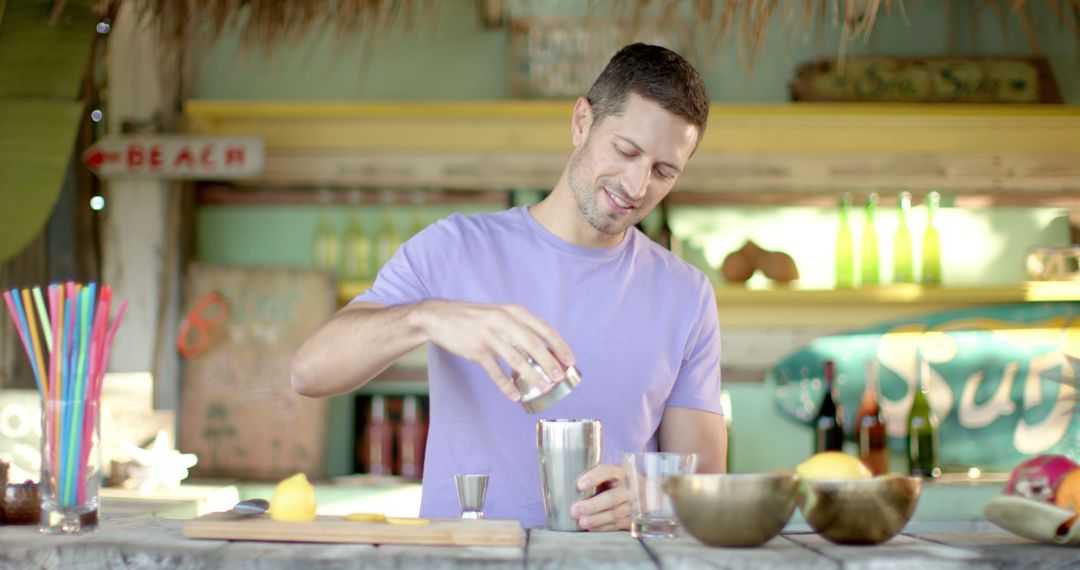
869	272
393	438
358	253
869	430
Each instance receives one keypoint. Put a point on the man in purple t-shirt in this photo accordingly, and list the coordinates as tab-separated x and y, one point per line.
568	281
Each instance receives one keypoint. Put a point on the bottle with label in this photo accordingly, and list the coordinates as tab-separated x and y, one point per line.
871	271
387	238
377	443
922	424
845	248
356	258
326	245
931	243
903	266
828	426
870	427
411	438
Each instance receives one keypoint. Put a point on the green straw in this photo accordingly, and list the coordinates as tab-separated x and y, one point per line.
80	381
43	316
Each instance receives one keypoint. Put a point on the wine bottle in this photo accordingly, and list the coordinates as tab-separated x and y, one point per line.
845	262
326	245
931	243
870	427
411	437
377	444
871	272
903	267
922	438
356	259
828	426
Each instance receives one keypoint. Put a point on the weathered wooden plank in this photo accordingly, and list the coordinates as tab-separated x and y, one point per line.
899	552
546	549
446	557
688	553
1007	550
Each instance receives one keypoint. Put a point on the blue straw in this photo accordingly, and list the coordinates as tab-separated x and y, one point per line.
86	304
26	327
69	359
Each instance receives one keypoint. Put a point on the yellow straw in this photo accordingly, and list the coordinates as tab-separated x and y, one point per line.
32	322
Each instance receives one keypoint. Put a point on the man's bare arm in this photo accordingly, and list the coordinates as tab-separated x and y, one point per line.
683	430
355	345
363	339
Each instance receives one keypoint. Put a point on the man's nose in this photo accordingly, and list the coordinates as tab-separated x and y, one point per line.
637	181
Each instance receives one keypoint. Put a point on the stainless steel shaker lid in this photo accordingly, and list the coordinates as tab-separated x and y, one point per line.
535	401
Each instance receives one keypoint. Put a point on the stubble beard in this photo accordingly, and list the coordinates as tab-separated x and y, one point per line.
588	197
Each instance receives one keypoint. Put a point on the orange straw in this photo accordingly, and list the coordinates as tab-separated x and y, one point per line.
31	320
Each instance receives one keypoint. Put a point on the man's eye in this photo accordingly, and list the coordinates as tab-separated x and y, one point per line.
624	153
663	174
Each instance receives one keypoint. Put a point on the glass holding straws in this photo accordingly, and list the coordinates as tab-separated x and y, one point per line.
76	336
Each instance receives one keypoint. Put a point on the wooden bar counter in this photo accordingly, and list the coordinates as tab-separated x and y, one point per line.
150	542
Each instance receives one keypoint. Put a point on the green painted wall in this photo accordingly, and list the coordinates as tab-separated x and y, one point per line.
448	55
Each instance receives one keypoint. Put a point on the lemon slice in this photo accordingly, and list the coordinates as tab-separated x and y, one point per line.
366	517
406	521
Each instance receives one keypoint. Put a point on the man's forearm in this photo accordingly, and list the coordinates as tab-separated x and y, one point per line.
355	345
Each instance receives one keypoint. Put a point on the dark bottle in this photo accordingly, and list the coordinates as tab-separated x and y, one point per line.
870	428
377	446
922	440
664	235
411	437
828	428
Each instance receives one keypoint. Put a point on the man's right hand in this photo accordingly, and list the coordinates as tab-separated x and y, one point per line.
486	333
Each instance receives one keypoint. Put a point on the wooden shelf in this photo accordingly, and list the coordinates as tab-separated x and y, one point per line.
827	309
788	148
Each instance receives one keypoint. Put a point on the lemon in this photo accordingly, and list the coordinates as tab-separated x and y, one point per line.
406	521
293	500
366	517
832	465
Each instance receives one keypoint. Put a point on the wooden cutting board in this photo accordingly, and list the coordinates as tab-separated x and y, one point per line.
458	532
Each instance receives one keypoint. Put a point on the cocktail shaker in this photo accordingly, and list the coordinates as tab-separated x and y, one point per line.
534	398
566	449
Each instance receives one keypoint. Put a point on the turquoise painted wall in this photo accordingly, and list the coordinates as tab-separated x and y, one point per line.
448	55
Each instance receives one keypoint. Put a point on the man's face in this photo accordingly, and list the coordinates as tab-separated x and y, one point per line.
625	165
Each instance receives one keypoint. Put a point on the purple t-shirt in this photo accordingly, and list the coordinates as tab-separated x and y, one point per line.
642	324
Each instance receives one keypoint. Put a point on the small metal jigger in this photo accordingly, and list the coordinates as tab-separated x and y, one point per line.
471	490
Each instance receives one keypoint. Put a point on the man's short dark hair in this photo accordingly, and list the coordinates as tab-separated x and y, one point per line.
654	73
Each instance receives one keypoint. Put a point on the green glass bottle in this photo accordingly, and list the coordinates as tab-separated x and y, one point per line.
871	272
903	267
845	248
922	439
387	238
931	244
326	244
420	215
356	259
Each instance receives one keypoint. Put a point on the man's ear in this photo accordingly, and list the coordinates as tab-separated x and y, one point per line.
581	121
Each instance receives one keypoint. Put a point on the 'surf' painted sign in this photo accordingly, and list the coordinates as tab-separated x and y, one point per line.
1002	380
177	157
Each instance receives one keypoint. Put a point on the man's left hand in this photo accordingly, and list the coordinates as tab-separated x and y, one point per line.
609	509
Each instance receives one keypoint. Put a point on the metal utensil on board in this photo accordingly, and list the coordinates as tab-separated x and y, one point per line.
471	490
535	397
250	507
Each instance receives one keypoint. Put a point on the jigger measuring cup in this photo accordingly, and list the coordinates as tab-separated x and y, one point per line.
471	490
566	449
534	398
